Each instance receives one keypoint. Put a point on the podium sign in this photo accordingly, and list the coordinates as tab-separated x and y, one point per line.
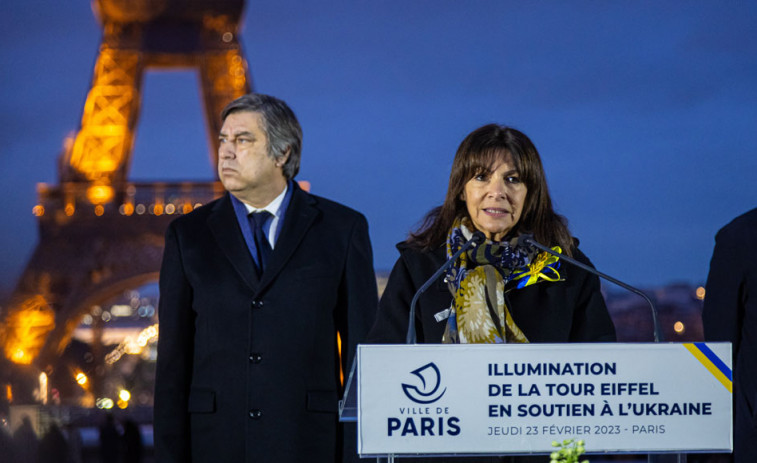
518	399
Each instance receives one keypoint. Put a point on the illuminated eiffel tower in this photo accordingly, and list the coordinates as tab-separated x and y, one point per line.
99	233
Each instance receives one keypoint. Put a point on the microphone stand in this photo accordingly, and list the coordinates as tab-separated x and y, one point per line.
528	240
477	238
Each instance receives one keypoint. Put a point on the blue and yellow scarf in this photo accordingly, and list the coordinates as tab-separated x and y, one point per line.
477	282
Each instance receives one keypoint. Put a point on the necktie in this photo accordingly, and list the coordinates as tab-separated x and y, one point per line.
263	247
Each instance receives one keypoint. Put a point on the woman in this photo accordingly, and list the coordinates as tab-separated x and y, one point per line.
497	292
502	292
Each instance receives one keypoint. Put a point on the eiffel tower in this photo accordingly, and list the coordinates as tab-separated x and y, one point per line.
99	233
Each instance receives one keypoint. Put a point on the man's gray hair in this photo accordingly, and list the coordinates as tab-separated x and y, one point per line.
279	124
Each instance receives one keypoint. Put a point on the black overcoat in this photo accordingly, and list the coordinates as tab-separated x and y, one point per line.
248	368
730	314
571	310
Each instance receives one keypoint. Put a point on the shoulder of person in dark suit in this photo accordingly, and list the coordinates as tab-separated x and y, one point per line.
197	216
732	260
739	231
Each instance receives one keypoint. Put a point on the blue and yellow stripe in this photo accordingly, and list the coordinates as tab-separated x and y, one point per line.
712	362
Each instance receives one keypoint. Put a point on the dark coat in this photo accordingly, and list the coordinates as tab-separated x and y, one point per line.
565	311
248	369
730	314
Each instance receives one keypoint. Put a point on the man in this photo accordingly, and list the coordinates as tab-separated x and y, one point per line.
730	314
250	307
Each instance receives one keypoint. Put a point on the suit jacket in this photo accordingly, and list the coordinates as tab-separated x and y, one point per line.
248	369
730	314
572	310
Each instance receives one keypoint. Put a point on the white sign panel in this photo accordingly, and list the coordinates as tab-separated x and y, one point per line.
511	399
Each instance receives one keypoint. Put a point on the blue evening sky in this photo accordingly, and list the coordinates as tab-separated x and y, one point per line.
645	112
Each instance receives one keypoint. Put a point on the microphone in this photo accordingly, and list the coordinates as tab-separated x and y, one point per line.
477	238
530	242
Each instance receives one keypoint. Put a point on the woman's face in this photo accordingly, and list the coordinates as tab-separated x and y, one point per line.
495	198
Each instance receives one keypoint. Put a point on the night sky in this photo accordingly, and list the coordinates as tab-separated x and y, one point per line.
645	113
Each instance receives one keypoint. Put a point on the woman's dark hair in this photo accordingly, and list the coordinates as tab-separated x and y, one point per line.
477	154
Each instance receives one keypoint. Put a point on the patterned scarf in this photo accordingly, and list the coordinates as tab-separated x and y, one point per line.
477	282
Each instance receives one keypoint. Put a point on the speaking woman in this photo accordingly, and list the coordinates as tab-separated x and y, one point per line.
498	292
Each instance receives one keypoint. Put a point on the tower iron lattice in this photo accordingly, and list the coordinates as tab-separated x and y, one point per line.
99	233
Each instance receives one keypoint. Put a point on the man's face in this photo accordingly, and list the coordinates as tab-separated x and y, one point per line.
244	167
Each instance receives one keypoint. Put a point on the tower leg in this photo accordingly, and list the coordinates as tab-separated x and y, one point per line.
224	77
101	151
